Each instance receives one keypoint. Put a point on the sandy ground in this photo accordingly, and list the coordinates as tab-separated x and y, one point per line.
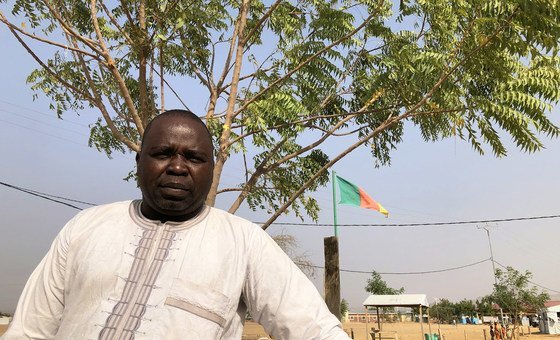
411	331
405	331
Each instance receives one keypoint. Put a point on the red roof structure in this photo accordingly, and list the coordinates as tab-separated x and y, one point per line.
551	303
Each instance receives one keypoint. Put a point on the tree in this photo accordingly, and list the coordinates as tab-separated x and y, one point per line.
444	311
514	295
272	71
376	285
344	307
289	245
465	307
484	306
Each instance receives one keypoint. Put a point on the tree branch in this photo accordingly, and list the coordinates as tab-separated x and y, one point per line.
261	21
99	103
227	62
44	40
69	30
305	62
224	150
383	126
115	72
115	22
78	92
263	168
250	184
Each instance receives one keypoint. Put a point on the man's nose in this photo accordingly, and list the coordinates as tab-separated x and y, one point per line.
177	165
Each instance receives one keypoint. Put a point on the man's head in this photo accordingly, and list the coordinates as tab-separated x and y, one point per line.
175	166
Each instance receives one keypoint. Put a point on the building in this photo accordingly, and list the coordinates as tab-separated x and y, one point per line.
549	322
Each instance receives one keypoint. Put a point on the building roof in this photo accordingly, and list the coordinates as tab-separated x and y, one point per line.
551	303
402	300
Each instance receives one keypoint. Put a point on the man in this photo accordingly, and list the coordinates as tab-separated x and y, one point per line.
168	266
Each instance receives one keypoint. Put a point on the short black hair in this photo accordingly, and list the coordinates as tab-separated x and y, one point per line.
177	113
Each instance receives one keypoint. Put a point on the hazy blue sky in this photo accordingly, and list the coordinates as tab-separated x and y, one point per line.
427	182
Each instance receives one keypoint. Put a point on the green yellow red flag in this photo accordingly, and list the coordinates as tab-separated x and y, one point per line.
351	194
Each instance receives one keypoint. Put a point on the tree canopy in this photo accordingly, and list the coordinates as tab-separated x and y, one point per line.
515	295
284	77
376	285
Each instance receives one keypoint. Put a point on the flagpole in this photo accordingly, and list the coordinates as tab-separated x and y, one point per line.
334	203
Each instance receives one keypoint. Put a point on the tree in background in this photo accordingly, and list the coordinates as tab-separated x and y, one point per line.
515	296
465	308
283	77
484	306
344	309
376	285
444	311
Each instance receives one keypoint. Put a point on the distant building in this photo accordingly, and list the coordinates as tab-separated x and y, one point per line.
398	316
549	322
5	320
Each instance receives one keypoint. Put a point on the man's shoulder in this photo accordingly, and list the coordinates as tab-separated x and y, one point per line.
93	217
219	213
224	216
109	207
103	211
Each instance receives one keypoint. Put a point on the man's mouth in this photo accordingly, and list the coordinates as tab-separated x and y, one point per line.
174	191
173	185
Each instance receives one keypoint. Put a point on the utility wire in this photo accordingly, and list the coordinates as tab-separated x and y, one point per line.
49	197
400	273
44	133
55	199
40	194
58	126
50	115
536	284
420	224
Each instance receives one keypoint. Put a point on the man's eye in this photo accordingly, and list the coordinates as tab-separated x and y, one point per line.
160	155
196	160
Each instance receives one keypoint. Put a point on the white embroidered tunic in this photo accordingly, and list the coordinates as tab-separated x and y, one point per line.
113	274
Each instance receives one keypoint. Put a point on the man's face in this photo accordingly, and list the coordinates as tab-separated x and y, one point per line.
175	168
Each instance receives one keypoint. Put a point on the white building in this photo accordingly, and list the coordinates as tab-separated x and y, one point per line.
550	318
5	320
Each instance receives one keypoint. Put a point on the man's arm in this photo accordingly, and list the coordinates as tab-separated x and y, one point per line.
282	299
41	304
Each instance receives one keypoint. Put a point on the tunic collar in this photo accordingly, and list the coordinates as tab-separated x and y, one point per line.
141	220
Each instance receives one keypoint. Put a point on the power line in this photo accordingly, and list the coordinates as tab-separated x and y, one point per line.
38	193
49	197
536	284
55	199
58	126
401	273
42	132
44	114
513	219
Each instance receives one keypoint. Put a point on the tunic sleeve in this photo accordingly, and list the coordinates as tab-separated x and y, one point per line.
281	298
41	304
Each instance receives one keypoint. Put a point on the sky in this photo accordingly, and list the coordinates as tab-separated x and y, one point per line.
444	181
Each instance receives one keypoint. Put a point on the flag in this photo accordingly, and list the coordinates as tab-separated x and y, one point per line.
351	194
